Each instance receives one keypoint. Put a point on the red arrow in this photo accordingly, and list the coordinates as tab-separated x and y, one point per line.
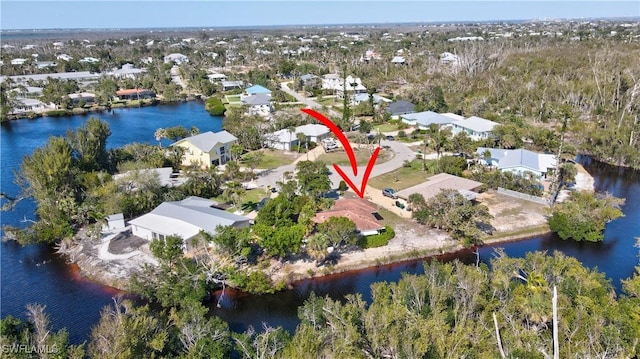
347	147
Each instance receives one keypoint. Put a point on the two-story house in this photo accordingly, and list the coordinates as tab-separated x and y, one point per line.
207	149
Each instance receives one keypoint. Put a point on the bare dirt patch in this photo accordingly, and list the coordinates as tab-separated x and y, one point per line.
513	214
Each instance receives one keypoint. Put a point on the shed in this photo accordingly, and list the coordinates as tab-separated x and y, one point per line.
114	222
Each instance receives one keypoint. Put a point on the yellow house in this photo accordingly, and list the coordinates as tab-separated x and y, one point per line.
207	149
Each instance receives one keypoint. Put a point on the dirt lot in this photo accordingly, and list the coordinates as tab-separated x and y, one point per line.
512	214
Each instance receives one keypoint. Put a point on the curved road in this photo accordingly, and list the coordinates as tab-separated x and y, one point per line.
305	100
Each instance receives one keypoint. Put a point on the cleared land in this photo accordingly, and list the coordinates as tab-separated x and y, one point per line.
362	156
403	177
275	158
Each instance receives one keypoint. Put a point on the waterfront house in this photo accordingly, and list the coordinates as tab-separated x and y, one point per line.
361	212
207	148
135	94
185	219
86	97
230	85
259	104
518	161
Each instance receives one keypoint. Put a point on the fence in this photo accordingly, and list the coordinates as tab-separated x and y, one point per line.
526	197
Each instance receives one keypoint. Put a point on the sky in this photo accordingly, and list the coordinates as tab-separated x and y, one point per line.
27	14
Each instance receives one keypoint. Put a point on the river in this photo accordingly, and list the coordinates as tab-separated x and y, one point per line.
33	274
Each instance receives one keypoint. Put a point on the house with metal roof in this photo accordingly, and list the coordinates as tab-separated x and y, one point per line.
477	128
518	161
424	119
207	149
185	219
434	184
314	132
259	104
230	85
256	90
176	58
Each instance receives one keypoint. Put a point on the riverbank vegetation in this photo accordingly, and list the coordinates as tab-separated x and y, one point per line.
584	216
451	310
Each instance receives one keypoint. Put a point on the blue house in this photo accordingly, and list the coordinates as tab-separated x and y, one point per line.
256	90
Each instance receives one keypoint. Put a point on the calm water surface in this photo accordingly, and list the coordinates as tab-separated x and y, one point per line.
34	274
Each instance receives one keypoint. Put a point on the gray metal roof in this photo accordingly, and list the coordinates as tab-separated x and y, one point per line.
81	75
182	217
427	118
207	140
257	100
401	107
519	158
477	124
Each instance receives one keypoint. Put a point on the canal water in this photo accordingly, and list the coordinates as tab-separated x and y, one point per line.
33	274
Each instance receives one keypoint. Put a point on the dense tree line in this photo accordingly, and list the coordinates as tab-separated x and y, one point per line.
452	310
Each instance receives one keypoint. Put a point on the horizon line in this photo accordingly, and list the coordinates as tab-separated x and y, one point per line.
203	27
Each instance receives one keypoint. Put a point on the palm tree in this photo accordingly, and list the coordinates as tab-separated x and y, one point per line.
159	135
233	192
302	138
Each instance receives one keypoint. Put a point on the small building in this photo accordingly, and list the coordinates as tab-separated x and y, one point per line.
64	57
18	61
127	71
230	85
135	94
90	60
185	219
207	148
217	77
176	58
114	222
364	97
25	105
398	60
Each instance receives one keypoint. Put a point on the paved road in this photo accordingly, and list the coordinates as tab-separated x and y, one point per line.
175	77
401	153
305	100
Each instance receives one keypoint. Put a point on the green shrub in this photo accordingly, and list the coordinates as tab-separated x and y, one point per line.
378	240
215	107
342	186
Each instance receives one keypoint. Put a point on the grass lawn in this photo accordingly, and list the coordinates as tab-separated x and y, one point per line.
387	127
362	156
327	101
232	98
275	158
403	177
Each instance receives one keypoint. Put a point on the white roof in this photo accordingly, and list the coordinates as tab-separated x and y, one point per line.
187	218
477	124
281	136
453	116
313	130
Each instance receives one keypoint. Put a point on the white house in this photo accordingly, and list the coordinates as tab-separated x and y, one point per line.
518	161
334	82
91	60
477	128
185	219
449	58
64	57
176	58
398	60
18	61
31	105
424	119
314	132
258	104
283	139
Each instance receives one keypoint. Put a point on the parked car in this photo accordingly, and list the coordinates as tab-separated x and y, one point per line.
390	192
390	138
